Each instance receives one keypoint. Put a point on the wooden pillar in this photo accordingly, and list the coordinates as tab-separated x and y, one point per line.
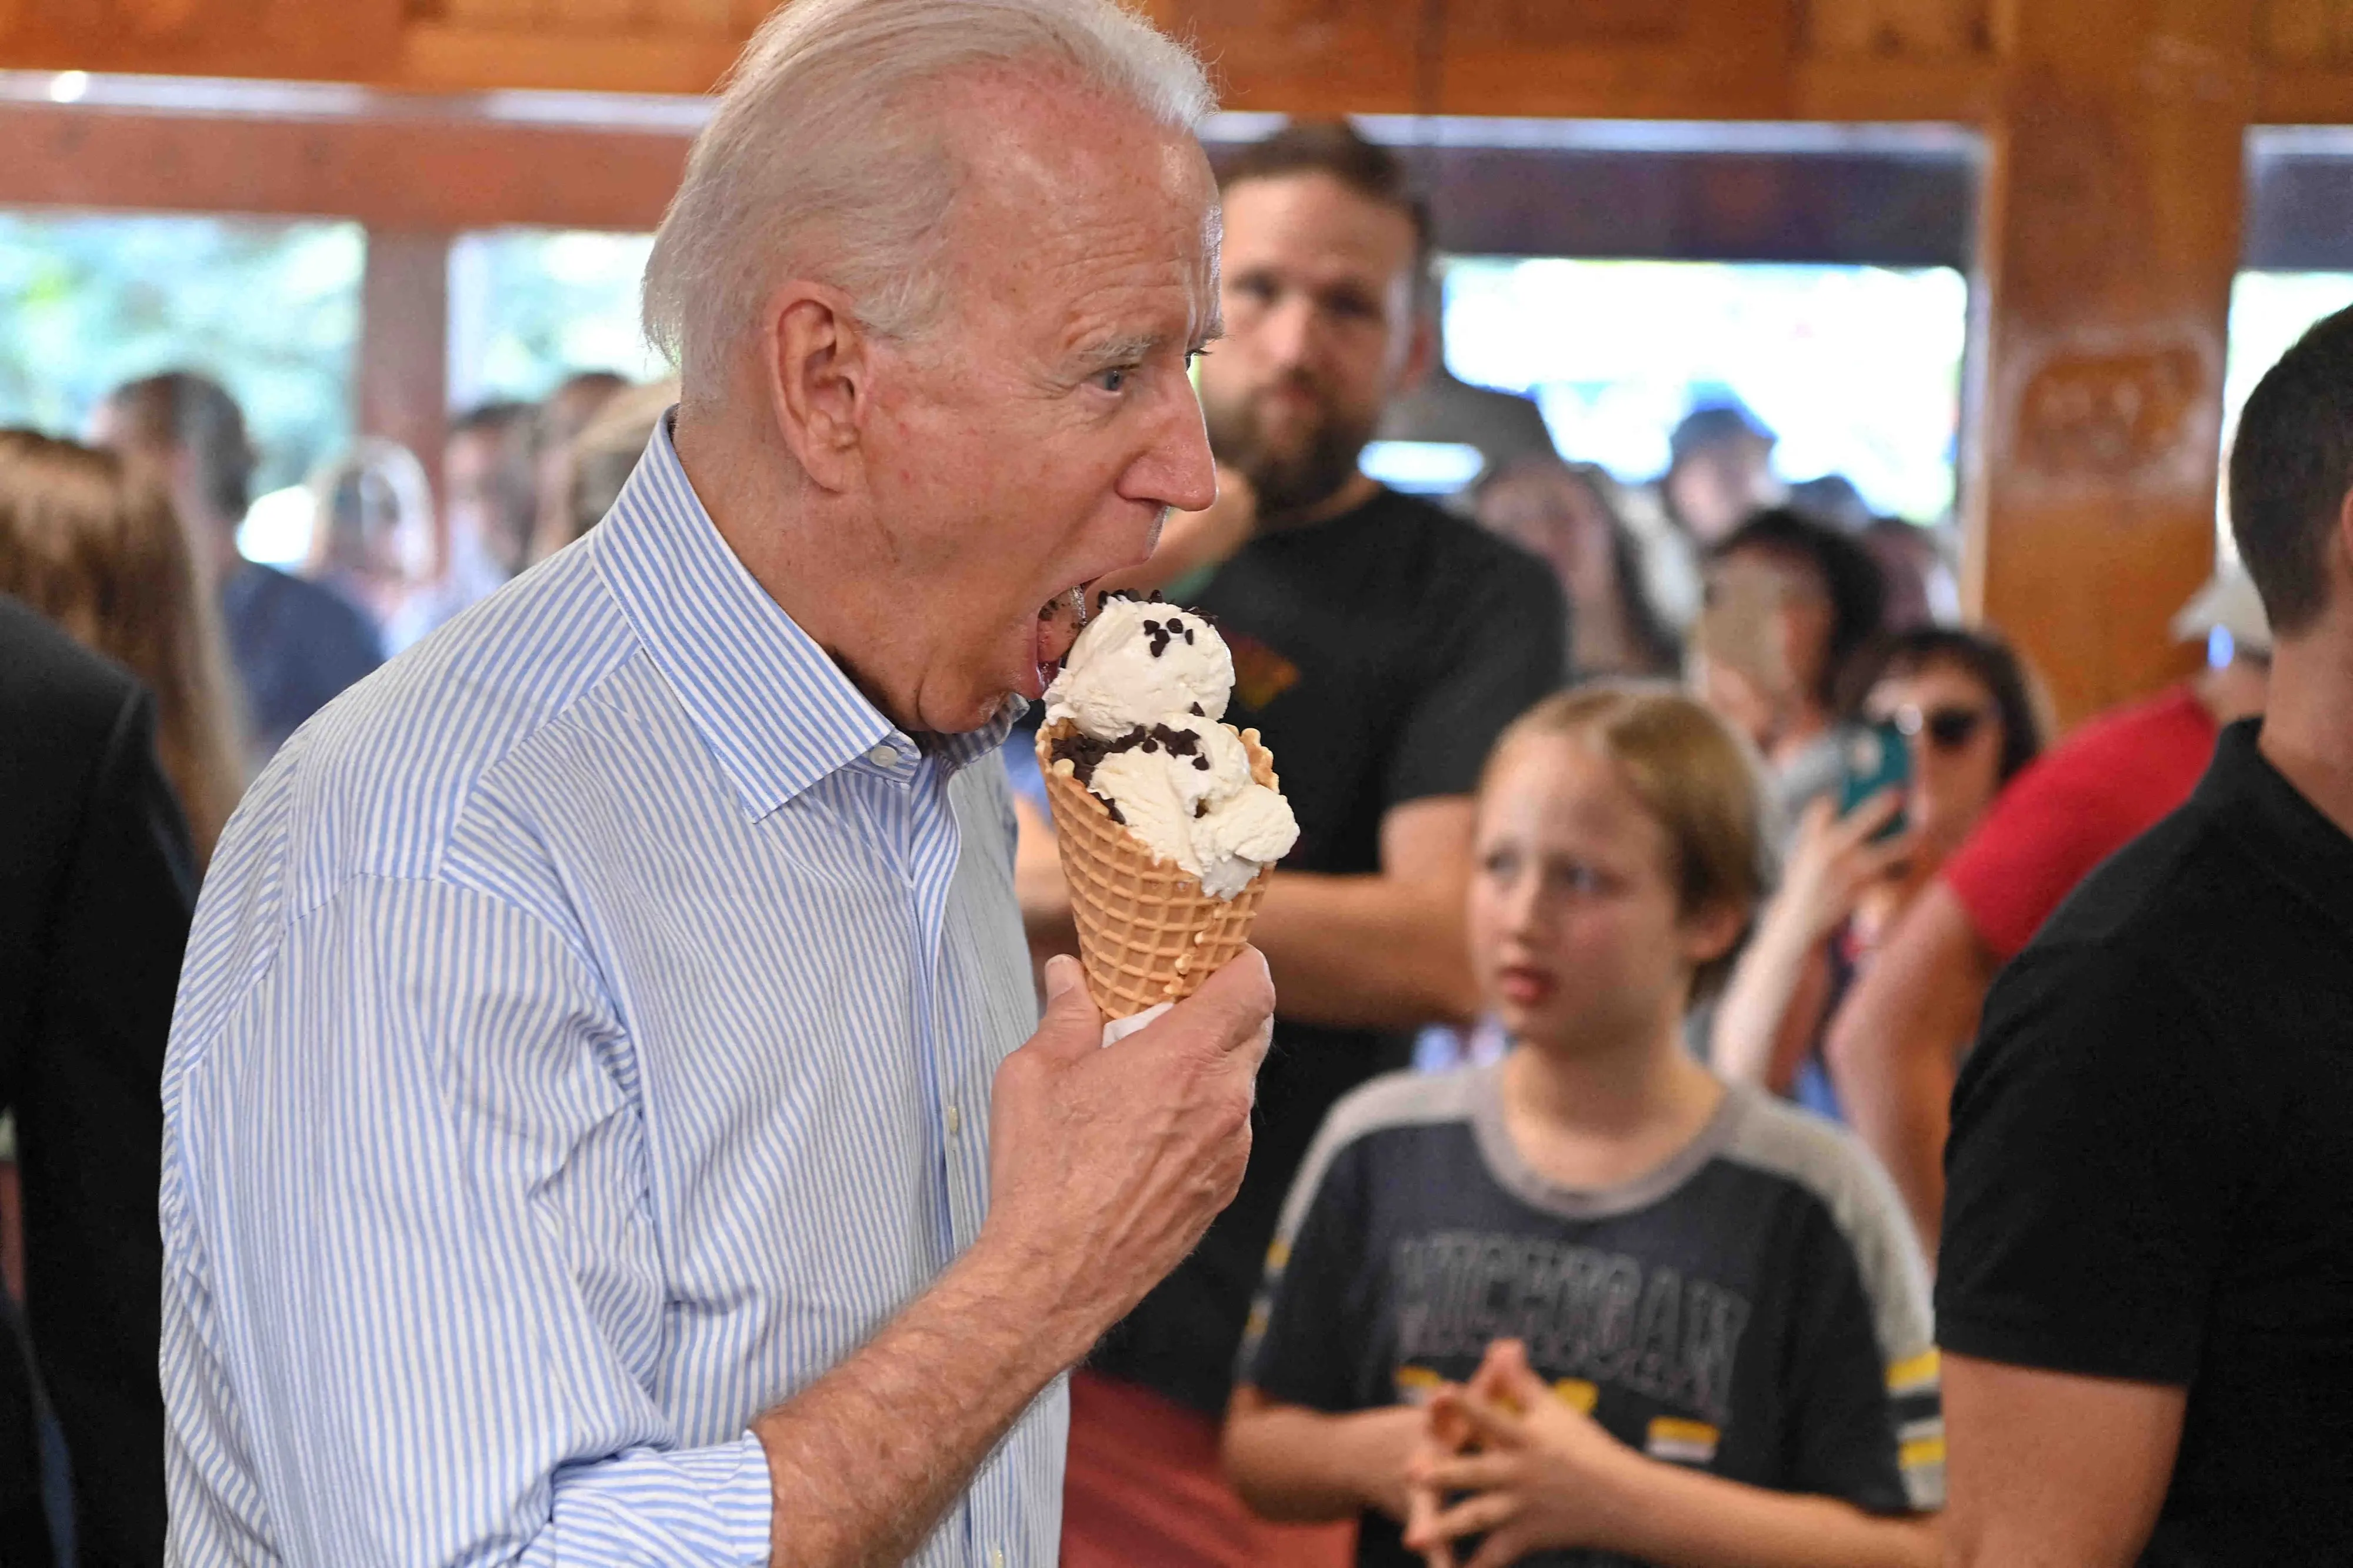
2109	239
404	357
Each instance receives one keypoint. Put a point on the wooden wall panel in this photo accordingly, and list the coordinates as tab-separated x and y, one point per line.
1705	59
1305	57
2110	238
348	40
2307	33
1898	29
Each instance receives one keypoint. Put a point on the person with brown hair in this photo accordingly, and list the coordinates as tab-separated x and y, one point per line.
1592	1298
96	886
1573	517
2145	1290
292	644
1972	720
98	550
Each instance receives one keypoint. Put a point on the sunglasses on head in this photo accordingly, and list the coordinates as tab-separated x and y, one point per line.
1947	728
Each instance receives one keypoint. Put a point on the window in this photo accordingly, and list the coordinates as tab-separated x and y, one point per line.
529	306
1857	369
269	309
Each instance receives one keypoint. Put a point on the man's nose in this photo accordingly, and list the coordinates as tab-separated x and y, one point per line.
1177	470
1288	332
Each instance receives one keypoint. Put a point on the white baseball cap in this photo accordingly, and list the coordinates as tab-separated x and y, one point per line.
2227	603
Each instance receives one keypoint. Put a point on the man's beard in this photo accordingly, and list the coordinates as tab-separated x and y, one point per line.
1288	481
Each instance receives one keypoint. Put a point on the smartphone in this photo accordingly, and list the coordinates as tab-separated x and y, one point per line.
1873	758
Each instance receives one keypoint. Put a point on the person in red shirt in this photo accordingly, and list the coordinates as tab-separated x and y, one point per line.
1895	1047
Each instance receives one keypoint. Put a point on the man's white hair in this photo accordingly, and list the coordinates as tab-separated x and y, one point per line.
826	161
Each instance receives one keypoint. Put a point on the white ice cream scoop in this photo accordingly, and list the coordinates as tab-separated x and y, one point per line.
1147	683
1136	662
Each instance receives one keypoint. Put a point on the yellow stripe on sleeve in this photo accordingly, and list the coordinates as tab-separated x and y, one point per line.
1914	1374
1577	1393
1414	1380
1921	1451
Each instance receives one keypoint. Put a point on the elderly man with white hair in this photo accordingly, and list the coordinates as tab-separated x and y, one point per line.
604	1119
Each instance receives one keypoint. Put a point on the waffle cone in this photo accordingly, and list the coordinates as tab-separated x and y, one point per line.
1147	932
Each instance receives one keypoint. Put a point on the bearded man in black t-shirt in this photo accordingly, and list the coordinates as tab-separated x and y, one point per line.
1381	645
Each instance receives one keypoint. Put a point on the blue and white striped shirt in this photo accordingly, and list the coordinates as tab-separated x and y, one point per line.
585	1042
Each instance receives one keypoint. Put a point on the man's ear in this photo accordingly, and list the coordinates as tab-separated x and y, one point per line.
819	362
2345	533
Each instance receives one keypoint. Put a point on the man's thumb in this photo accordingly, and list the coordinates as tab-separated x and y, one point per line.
1070	1011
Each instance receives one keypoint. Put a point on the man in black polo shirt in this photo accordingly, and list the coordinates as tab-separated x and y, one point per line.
1381	645
2147	1289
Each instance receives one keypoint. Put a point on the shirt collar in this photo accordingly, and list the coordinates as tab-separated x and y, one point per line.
2255	802
775	712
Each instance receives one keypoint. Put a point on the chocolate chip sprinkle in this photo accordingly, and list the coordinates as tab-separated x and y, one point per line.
1110	809
1085	754
1181	742
1196	711
1202	764
1201	808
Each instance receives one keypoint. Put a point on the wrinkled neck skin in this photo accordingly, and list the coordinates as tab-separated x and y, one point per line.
832	571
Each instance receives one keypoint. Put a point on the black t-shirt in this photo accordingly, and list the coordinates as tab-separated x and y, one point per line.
2151	1164
1756	1307
1379	654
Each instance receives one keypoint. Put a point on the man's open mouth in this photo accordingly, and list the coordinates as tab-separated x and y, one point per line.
1059	620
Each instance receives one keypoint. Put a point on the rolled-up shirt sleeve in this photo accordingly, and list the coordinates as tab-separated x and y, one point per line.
413	1300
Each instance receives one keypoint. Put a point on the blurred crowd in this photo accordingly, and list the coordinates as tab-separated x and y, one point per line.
131	538
1741	717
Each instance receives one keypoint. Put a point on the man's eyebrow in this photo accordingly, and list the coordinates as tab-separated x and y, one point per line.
1119	351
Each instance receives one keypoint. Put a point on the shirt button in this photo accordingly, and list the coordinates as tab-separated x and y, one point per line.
997	1557
883	756
955	1121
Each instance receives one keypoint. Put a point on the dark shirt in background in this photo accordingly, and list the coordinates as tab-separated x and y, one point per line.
97	883
2150	1174
1379	654
295	645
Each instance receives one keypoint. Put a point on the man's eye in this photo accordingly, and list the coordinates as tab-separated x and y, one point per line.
1115	378
1193	357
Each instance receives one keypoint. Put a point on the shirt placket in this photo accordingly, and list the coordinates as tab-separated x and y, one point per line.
992	1505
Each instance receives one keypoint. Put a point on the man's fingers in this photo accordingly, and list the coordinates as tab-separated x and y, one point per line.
1072	1025
1235	1004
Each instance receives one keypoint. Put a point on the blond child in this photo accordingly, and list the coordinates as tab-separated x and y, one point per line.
1591	1304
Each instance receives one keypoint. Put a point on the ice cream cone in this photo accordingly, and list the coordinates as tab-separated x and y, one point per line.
1147	932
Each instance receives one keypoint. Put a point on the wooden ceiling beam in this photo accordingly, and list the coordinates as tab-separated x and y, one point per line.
394	173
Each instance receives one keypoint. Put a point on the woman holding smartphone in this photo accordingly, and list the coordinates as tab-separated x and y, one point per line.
1969	721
